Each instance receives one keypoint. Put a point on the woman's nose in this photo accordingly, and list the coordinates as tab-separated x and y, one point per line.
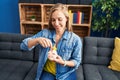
56	22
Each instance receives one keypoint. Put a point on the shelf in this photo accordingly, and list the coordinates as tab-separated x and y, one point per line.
41	13
30	22
85	25
31	28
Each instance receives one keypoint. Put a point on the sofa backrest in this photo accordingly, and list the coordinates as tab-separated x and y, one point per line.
10	47
97	50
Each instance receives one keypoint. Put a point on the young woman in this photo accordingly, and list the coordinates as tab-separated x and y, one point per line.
62	63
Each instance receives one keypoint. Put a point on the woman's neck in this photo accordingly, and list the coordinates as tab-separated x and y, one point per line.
60	32
58	36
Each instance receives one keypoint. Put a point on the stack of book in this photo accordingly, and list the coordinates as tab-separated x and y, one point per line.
76	17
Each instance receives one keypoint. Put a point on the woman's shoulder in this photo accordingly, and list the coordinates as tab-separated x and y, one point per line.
43	33
45	30
74	35
74	38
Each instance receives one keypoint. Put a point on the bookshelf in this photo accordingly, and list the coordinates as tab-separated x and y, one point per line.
41	14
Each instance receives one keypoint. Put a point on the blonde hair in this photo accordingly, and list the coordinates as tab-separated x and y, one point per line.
64	9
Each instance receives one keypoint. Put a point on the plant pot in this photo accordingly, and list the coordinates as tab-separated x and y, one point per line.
33	19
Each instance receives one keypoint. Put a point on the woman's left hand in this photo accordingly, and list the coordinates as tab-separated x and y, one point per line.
54	57
59	60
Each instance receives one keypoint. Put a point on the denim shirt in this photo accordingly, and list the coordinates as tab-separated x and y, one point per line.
69	48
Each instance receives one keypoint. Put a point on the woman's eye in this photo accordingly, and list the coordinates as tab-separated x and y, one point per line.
60	19
53	20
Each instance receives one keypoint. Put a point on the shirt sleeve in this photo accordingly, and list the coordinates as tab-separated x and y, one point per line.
77	53
24	43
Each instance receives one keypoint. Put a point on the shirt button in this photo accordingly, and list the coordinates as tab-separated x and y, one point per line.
63	50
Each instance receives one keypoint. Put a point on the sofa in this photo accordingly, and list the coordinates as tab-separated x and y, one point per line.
16	64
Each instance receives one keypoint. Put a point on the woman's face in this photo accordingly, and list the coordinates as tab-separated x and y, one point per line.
58	20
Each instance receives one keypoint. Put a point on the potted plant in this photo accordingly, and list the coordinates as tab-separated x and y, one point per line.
33	18
106	16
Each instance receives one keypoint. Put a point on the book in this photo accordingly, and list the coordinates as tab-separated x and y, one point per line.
82	18
74	18
70	16
78	17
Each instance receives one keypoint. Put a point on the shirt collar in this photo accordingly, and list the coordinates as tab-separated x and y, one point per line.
53	34
65	35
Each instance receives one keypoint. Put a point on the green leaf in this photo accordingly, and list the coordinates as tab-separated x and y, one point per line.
104	15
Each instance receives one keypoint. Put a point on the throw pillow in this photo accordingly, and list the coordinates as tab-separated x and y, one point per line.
115	62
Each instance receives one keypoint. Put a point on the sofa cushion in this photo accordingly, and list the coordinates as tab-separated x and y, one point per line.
10	47
79	71
97	50
17	69
115	63
32	73
99	72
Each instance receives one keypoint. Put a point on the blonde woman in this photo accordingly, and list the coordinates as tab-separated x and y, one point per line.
62	63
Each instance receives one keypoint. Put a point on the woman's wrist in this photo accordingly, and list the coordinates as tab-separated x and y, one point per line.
32	42
65	63
68	63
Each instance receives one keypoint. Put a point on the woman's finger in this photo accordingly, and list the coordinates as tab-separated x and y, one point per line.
45	42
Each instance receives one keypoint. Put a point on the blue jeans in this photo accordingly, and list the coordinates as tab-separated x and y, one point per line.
48	76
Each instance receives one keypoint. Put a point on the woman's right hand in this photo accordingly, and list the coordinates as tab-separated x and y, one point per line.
44	42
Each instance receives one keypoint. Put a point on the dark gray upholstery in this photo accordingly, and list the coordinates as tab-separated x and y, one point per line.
79	72
10	47
98	50
97	54
16	64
